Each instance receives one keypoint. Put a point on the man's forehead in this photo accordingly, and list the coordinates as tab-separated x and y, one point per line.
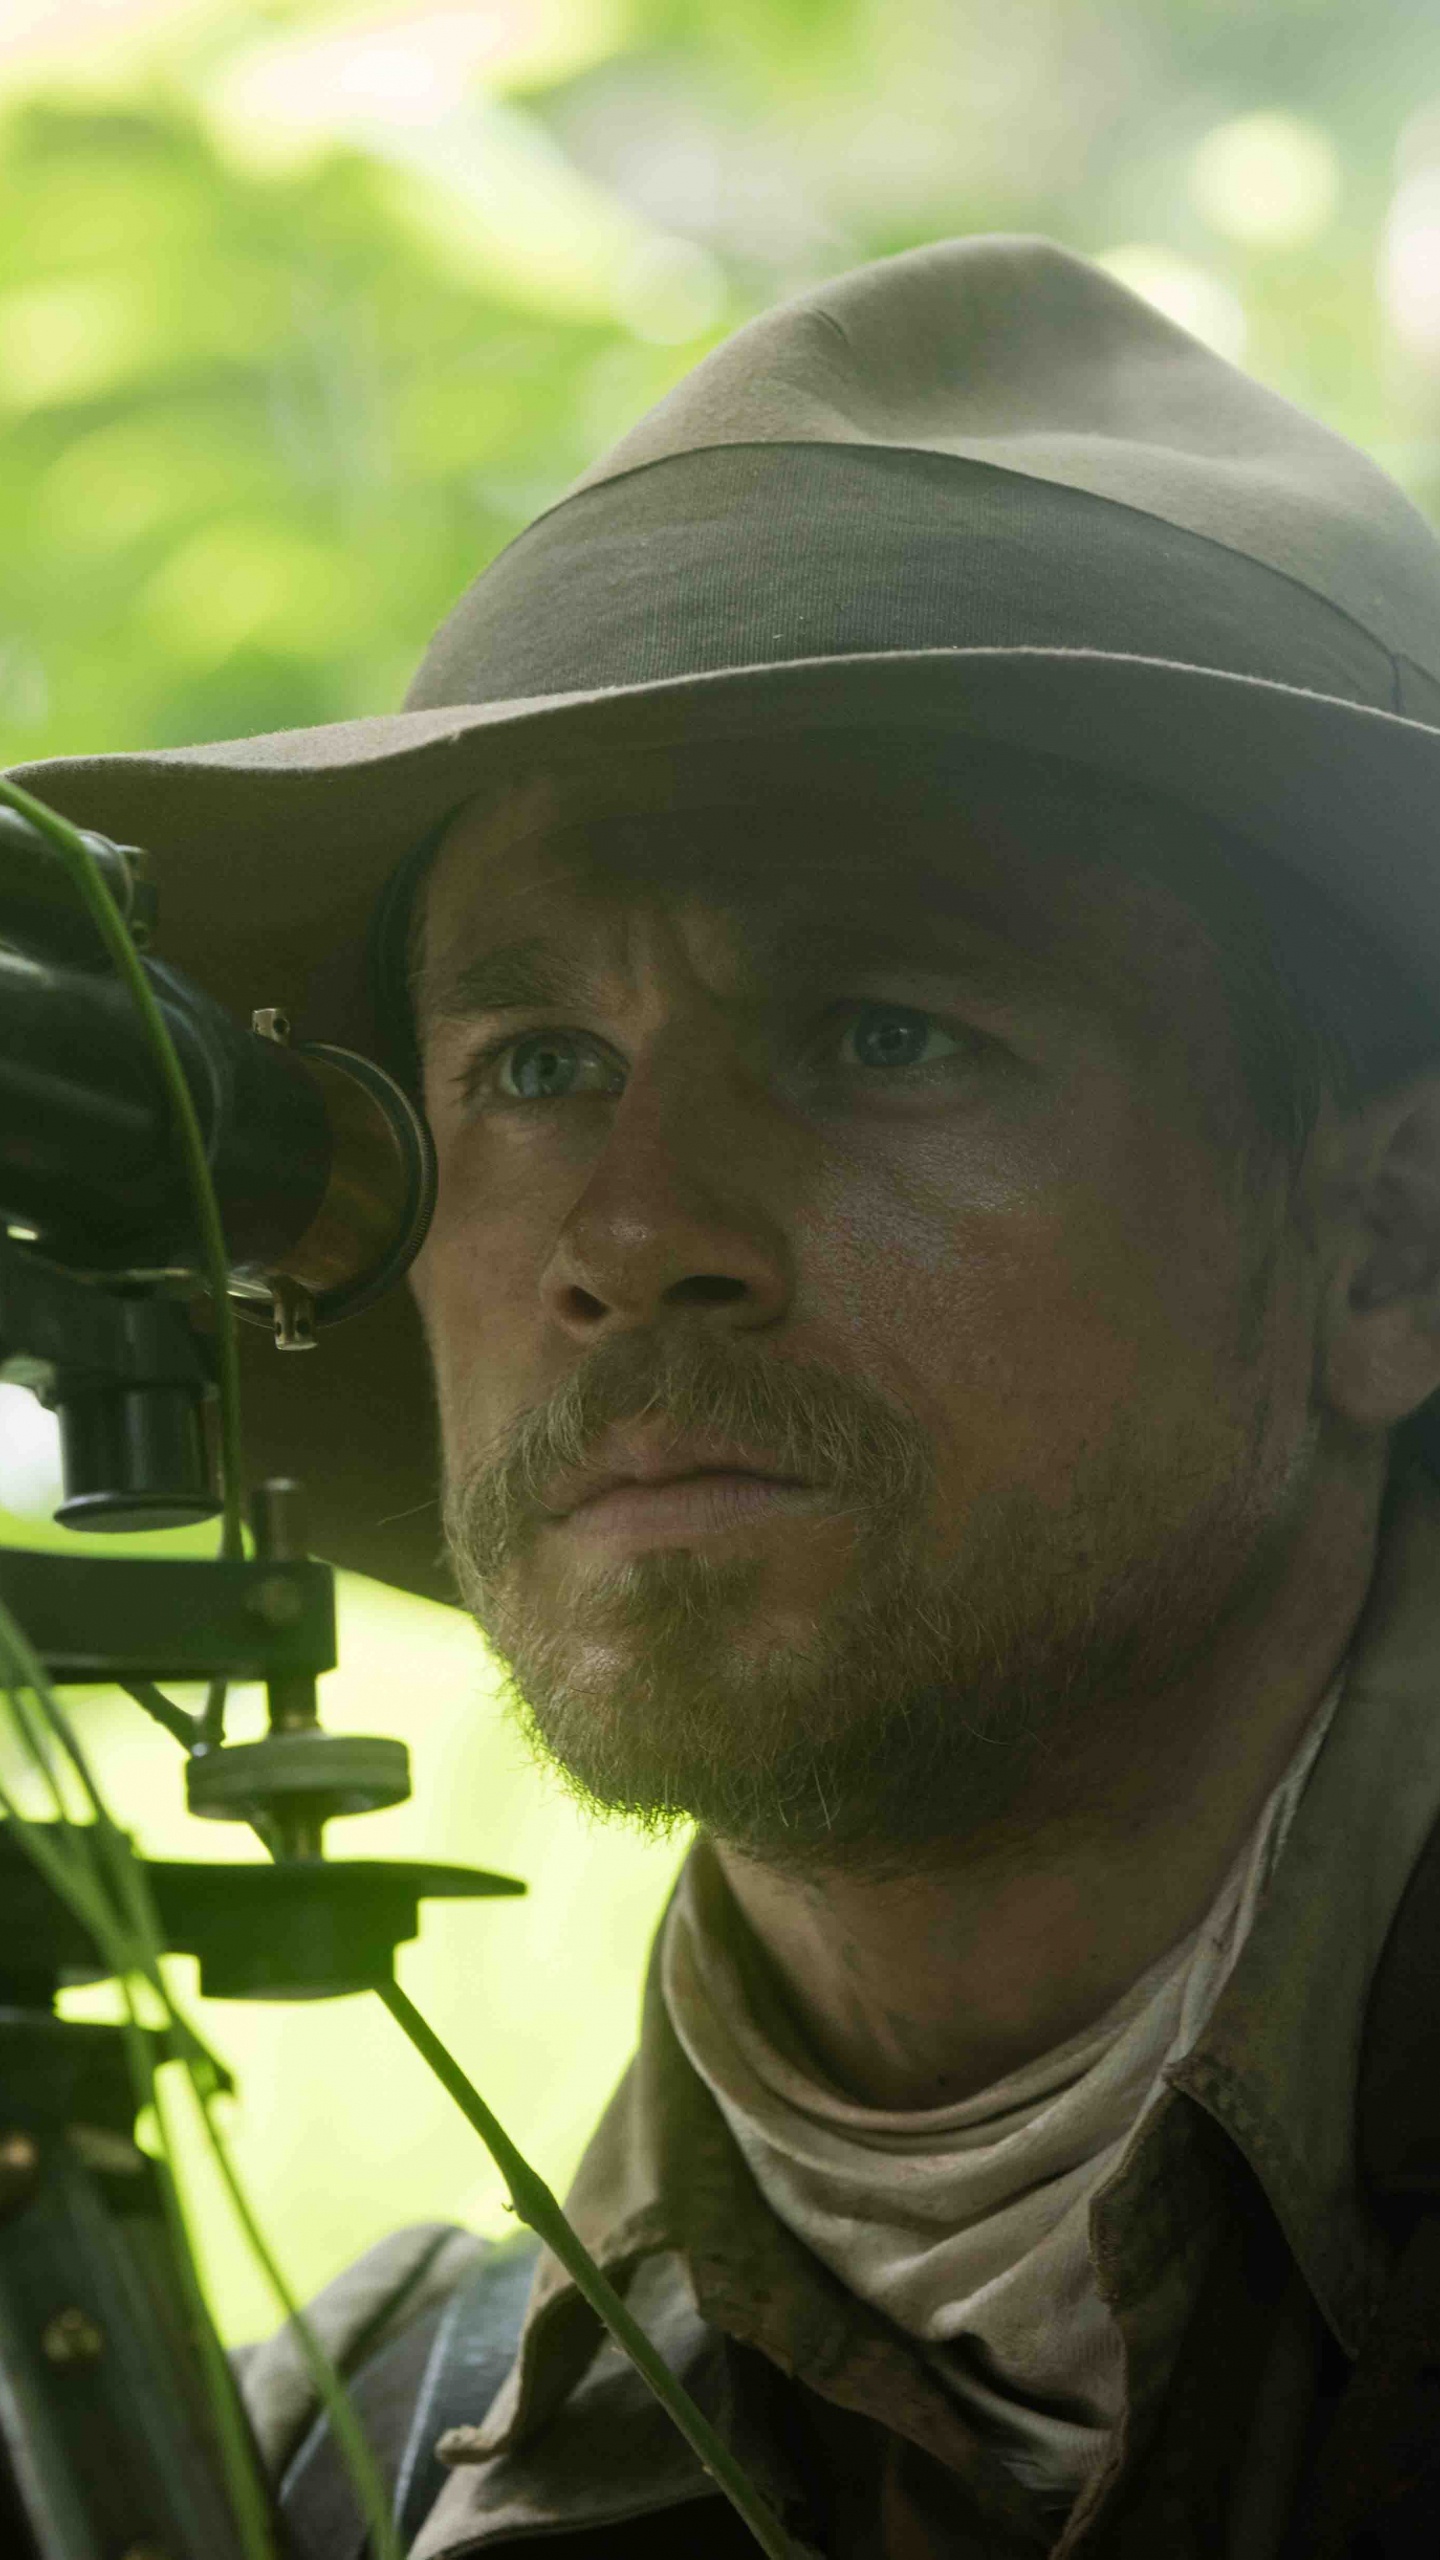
827	863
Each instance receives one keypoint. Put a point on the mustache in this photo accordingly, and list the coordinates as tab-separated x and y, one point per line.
802	1417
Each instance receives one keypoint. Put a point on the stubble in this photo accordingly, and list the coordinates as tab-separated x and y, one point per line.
915	1708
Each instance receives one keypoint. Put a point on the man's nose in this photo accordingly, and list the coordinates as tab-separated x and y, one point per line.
668	1224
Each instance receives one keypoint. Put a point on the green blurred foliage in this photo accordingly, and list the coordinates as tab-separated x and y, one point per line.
304	313
276	377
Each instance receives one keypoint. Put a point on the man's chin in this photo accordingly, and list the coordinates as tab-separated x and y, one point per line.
659	1622
685	1692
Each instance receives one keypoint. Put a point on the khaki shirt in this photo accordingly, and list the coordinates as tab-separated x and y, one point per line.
1233	2243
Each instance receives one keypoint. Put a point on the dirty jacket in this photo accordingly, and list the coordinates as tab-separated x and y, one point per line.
1246	2258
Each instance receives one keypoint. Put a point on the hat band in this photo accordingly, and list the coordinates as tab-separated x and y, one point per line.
739	555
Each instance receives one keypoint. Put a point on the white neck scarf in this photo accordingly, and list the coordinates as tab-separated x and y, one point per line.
968	2225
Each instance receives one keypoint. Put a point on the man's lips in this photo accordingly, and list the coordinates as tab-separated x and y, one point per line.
657	1498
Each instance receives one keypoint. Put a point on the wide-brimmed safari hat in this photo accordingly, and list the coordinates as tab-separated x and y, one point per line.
979	488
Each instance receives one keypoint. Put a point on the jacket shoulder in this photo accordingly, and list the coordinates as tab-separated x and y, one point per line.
408	2274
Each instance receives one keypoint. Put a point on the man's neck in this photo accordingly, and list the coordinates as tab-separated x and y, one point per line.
915	1991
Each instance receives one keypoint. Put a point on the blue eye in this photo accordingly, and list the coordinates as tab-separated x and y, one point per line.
891	1036
548	1066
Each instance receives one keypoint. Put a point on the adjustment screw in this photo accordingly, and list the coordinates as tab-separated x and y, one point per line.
19	2167
277	1513
72	2337
276	1601
19	2155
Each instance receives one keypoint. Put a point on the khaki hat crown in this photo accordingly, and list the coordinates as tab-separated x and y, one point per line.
1016	353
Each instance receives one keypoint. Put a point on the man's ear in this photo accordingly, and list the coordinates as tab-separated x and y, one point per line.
1379	1226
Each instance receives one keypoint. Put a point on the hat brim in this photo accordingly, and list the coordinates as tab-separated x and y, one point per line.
270	853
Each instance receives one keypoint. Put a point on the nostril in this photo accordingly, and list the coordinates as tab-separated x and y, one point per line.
705	1289
583	1306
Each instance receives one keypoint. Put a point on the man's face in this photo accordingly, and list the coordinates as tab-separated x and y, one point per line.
864	1365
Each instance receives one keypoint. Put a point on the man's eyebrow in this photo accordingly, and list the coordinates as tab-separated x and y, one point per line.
934	944
800	944
515	974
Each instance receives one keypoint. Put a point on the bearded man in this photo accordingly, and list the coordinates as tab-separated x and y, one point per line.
912	904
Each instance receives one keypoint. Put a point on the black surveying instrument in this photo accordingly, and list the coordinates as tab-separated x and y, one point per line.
109	2445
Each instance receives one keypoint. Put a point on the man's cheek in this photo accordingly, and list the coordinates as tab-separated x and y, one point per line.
1022	1347
476	1293
983	1300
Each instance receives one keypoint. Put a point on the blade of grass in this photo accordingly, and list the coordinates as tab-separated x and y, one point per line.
249	2498
66	1871
384	2542
535	2204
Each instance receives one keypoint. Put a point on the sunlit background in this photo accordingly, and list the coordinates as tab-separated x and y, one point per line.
303	314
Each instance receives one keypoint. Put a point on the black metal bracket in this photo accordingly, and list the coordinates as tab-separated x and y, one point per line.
102	1618
310	1929
128	1376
